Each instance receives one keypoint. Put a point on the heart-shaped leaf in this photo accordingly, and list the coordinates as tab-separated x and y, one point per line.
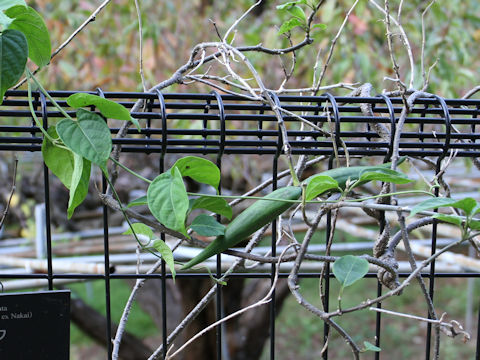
348	269
31	24
168	201
199	169
319	184
205	225
89	136
13	57
213	204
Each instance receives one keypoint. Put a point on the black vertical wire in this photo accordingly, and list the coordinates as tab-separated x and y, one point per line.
221	148
46	186
477	352
431	284
328	226
273	303
163	269
106	248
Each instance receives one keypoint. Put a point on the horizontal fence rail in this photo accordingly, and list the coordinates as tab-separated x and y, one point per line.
199	123
183	123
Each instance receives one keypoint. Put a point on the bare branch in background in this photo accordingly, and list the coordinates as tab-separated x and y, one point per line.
140	45
90	19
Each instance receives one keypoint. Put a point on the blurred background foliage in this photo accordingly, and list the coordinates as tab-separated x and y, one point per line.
105	54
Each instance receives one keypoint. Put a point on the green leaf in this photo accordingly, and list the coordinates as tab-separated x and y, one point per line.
371	347
59	160
199	169
468	204
166	253
205	225
297	12
289	25
318	185
13	57
290	4
385	175
348	269
142	200
31	24
89	136
71	169
79	184
110	109
452	219
319	26
7	4
213	204
168	201
474	224
142	231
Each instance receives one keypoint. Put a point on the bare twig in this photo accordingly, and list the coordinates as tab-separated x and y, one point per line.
332	48
140	45
424	75
453	327
90	19
406	42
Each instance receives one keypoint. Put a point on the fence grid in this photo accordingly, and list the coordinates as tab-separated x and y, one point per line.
223	125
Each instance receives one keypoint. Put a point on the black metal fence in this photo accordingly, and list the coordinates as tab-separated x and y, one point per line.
224	124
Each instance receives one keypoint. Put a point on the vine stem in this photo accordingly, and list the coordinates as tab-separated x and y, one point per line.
45	92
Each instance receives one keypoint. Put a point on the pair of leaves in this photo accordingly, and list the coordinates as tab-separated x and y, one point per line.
72	170
298	17
203	225
26	36
167	197
319	184
144	232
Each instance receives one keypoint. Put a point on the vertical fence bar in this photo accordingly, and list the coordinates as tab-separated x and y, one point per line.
163	269
106	249
273	305
328	230
431	284
219	297
46	182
